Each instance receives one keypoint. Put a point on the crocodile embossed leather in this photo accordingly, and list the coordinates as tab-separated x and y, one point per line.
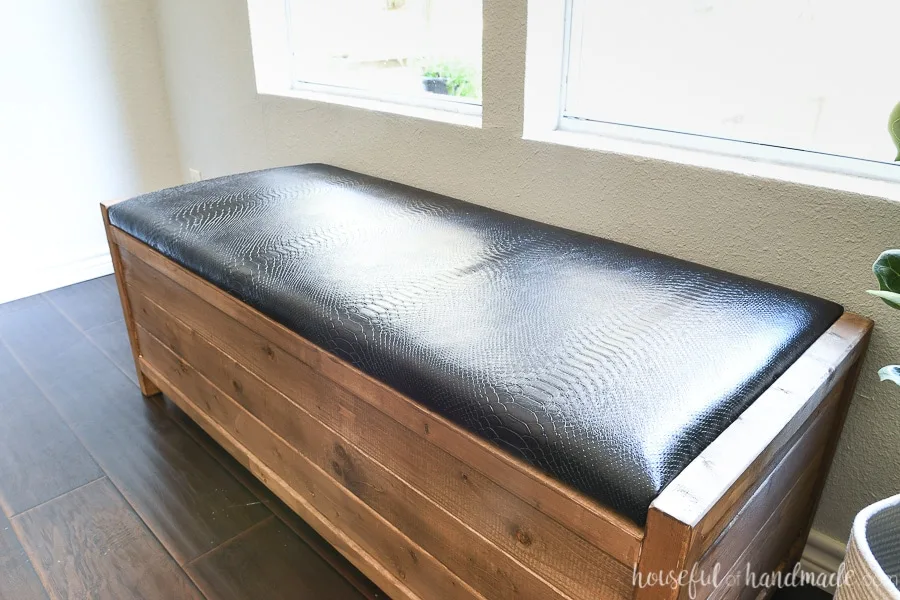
607	366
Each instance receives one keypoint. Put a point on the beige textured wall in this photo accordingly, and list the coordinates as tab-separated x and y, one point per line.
811	239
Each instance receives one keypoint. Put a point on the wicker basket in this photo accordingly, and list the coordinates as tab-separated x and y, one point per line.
872	567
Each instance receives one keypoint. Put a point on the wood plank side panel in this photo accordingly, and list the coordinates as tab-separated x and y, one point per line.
763	556
529	536
790	482
439	534
353	528
849	389
605	529
812	435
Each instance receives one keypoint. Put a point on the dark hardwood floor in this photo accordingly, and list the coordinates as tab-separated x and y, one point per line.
106	494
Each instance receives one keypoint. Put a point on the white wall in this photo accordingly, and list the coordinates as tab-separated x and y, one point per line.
84	118
811	239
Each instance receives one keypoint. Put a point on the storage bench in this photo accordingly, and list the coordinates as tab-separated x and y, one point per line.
469	404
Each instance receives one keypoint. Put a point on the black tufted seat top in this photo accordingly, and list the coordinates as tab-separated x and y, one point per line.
607	366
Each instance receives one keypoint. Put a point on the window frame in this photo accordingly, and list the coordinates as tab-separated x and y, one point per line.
551	24
270	37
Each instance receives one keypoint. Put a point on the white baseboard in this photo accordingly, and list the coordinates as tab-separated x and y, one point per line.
823	556
23	283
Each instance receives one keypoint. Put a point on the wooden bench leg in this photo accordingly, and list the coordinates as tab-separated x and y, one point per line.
148	388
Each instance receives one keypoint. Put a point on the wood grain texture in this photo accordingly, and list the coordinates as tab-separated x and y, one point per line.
605	529
534	540
765	546
117	556
282	511
18	579
185	496
788	487
663	558
40	457
453	543
346	545
407	561
112	340
268	561
847	393
147	386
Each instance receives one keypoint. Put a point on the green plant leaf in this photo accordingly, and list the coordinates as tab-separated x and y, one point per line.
887	271
892	299
890	373
894	128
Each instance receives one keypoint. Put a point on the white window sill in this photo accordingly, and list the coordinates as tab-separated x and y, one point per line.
804	175
452	113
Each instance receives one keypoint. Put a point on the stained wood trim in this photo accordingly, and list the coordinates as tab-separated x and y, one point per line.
664	555
284	394
434	530
350	549
606	529
148	388
374	532
704	491
789	487
849	389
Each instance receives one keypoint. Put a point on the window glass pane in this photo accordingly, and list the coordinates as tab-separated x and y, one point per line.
397	48
817	75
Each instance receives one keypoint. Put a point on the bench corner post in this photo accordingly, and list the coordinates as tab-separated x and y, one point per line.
148	388
661	572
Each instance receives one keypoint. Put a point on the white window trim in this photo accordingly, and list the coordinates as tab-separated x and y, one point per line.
545	120
270	42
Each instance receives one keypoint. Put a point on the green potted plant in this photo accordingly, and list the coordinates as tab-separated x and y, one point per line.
434	81
887	267
450	78
887	271
894	128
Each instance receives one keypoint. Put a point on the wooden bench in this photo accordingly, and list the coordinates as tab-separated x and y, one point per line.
427	509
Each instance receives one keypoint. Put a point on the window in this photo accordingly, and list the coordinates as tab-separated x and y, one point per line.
417	52
819	76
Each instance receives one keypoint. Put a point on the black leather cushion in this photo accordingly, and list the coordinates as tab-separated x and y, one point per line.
607	366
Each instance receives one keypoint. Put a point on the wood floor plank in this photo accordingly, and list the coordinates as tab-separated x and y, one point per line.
40	457
110	281
112	339
90	544
269	561
186	497
18	579
283	512
36	332
88	304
